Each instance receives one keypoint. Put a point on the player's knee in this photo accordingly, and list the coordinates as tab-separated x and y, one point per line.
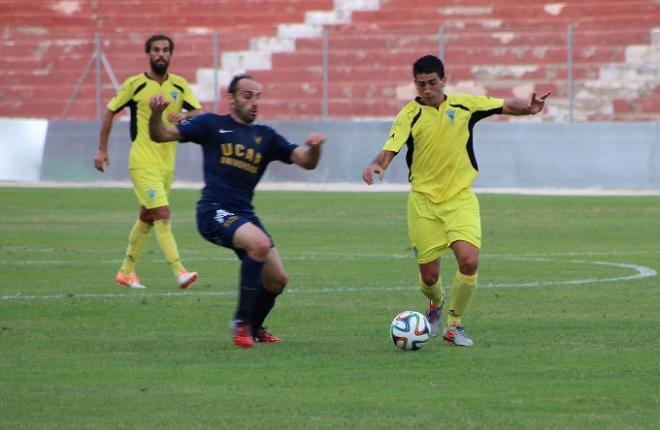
155	214
146	219
430	278
162	212
259	249
468	265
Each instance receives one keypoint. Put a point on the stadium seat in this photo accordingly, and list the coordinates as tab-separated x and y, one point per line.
504	48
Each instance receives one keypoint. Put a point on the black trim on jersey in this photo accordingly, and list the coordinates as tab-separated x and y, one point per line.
410	143
179	87
133	106
477	116
139	88
412	124
128	102
460	107
187	106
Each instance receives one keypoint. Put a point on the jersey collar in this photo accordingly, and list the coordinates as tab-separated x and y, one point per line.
419	102
167	78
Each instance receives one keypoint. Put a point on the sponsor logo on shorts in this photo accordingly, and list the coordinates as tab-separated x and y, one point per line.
229	221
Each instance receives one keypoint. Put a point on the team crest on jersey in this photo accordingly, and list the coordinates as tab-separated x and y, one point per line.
152	194
174	95
258	139
451	114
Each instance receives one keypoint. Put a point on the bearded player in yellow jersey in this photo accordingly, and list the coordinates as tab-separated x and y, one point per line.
151	165
443	211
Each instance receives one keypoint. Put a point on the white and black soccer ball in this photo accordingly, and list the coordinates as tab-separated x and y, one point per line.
410	331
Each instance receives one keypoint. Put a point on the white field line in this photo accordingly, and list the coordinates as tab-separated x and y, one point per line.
228	256
639	273
344	186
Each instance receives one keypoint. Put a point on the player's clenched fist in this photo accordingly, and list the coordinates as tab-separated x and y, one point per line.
158	103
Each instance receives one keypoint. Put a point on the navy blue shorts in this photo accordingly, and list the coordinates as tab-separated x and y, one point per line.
218	225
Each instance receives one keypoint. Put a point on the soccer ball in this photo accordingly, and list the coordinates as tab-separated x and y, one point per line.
410	331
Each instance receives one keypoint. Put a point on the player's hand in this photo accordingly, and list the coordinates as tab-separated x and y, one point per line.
101	160
158	104
177	116
370	171
315	140
536	104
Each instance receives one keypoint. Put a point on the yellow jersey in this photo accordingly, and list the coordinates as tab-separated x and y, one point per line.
135	93
440	155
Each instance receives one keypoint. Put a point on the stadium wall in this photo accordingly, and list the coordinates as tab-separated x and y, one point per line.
510	155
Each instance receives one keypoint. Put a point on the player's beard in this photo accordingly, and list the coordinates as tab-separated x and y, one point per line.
159	67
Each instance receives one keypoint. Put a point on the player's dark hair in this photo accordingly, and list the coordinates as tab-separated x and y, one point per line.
155	37
429	64
233	85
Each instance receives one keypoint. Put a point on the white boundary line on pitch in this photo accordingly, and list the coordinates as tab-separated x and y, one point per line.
642	272
347	187
320	256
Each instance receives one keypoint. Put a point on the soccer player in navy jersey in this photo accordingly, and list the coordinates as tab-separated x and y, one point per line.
236	153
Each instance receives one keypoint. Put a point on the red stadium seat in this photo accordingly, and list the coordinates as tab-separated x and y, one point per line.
504	48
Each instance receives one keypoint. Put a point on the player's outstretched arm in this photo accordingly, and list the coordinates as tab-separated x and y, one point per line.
180	116
101	159
525	107
157	130
308	158
377	167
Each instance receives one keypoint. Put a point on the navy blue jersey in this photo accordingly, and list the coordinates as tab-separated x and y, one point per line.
235	157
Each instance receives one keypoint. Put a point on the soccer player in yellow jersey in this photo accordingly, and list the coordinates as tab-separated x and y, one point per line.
151	165
443	211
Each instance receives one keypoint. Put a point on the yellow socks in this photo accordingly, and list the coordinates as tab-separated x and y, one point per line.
137	239
433	292
168	245
462	290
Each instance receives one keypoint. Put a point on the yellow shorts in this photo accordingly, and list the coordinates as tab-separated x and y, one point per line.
152	186
432	227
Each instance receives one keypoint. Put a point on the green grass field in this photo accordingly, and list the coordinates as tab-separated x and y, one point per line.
566	320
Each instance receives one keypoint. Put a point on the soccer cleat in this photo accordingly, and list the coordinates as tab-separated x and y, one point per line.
264	336
241	334
130	280
456	334
186	279
433	314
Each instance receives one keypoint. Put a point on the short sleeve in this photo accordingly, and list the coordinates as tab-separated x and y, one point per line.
400	130
123	96
190	102
484	103
281	148
194	130
483	107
